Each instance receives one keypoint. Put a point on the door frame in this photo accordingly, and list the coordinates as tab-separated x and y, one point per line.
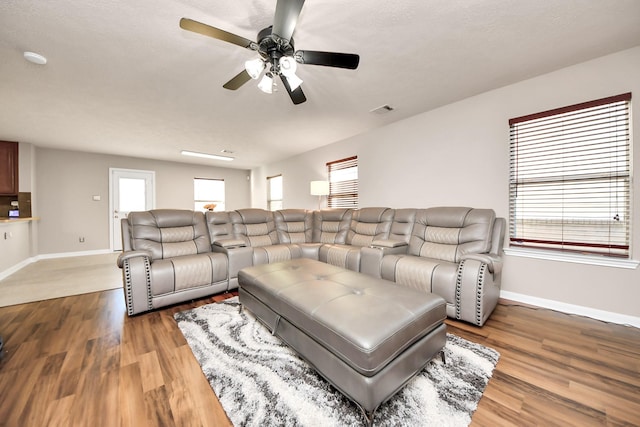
112	173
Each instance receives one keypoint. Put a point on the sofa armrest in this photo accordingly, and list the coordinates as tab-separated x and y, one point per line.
388	243
494	262
136	280
238	258
132	254
229	243
371	257
477	290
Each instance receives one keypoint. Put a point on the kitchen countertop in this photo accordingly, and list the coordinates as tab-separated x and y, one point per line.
7	219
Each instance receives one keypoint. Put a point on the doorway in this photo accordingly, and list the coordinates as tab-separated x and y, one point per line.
129	190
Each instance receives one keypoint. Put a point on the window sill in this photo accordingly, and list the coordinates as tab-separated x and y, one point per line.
575	258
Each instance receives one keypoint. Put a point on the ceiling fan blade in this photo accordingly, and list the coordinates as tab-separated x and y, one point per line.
328	59
286	18
241	78
216	33
297	96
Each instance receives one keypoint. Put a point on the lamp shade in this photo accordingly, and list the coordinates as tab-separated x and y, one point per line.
294	81
254	67
288	68
288	65
319	188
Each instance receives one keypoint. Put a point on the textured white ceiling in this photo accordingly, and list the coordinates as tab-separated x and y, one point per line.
123	78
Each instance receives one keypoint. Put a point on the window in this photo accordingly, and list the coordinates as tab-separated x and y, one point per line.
570	178
208	192
343	183
274	192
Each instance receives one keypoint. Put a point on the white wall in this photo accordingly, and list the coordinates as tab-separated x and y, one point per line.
459	155
15	245
67	180
26	166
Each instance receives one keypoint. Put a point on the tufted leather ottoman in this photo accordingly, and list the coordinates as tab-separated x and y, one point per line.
368	337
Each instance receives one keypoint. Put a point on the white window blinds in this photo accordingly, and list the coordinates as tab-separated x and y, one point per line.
343	183
570	178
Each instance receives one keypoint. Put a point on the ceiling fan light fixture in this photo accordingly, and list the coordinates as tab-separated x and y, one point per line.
294	81
254	67
266	84
288	67
275	47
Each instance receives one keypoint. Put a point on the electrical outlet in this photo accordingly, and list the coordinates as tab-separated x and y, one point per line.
81	239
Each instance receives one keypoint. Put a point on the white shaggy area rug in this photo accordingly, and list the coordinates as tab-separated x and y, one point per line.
260	381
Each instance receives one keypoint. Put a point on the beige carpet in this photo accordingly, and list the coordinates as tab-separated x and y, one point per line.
61	277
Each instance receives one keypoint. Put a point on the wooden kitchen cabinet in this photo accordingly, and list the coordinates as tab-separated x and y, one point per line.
8	168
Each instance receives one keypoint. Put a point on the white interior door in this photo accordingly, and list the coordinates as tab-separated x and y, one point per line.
130	190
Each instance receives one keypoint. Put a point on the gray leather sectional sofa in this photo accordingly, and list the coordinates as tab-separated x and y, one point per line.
171	256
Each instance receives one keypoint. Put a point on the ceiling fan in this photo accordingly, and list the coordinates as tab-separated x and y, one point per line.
277	54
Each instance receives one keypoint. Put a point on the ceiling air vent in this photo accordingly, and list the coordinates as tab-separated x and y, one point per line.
382	109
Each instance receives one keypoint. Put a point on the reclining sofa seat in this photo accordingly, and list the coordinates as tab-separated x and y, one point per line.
397	242
167	259
366	225
256	227
288	234
257	236
331	225
295	227
453	252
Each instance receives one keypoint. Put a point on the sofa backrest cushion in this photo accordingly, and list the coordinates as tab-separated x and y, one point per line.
369	224
448	233
402	225
219	225
294	225
255	226
331	225
167	233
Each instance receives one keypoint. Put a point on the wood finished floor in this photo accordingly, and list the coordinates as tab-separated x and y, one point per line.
80	361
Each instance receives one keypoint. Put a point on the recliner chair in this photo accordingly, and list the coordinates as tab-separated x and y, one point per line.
167	259
453	252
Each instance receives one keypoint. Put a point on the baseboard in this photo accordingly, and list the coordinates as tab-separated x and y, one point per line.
606	316
9	271
22	264
72	254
